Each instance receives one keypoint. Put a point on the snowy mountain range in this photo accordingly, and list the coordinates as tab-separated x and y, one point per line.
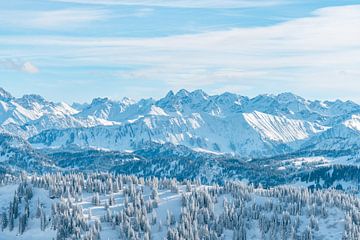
263	126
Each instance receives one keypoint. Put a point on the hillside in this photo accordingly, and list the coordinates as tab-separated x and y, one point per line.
103	206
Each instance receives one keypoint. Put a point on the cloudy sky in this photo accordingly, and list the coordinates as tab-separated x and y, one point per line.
75	50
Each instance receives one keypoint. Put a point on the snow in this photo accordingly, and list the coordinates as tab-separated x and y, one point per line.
6	195
168	201
267	125
281	128
331	227
353	123
311	160
207	151
316	161
33	231
156	111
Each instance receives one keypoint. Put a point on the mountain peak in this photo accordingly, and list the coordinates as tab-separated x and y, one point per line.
288	97
199	94
34	97
169	94
99	100
4	94
79	106
182	93
127	101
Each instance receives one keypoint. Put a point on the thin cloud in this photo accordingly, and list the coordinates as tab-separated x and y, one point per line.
52	19
305	54
28	67
184	3
18	65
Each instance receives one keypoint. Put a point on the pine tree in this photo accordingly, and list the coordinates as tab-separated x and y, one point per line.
38	209
42	220
89	214
22	224
153	218
11	217
112	200
96	199
307	235
168	218
4	221
159	226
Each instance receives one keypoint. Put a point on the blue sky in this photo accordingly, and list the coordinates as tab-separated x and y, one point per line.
75	50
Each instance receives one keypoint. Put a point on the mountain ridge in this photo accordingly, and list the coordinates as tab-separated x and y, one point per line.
262	126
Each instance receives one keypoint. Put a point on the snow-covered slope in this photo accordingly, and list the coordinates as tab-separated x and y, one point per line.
353	123
31	114
105	108
281	129
17	154
27	108
104	206
295	107
342	137
233	134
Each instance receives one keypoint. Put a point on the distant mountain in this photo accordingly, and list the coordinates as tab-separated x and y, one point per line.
269	138
263	126
31	114
343	136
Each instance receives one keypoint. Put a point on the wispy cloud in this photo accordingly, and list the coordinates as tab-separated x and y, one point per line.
52	19
312	54
18	65
184	3
29	68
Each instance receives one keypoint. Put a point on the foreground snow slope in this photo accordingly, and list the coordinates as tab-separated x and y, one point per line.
125	207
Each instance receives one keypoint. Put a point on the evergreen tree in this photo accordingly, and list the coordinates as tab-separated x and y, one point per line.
4	221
